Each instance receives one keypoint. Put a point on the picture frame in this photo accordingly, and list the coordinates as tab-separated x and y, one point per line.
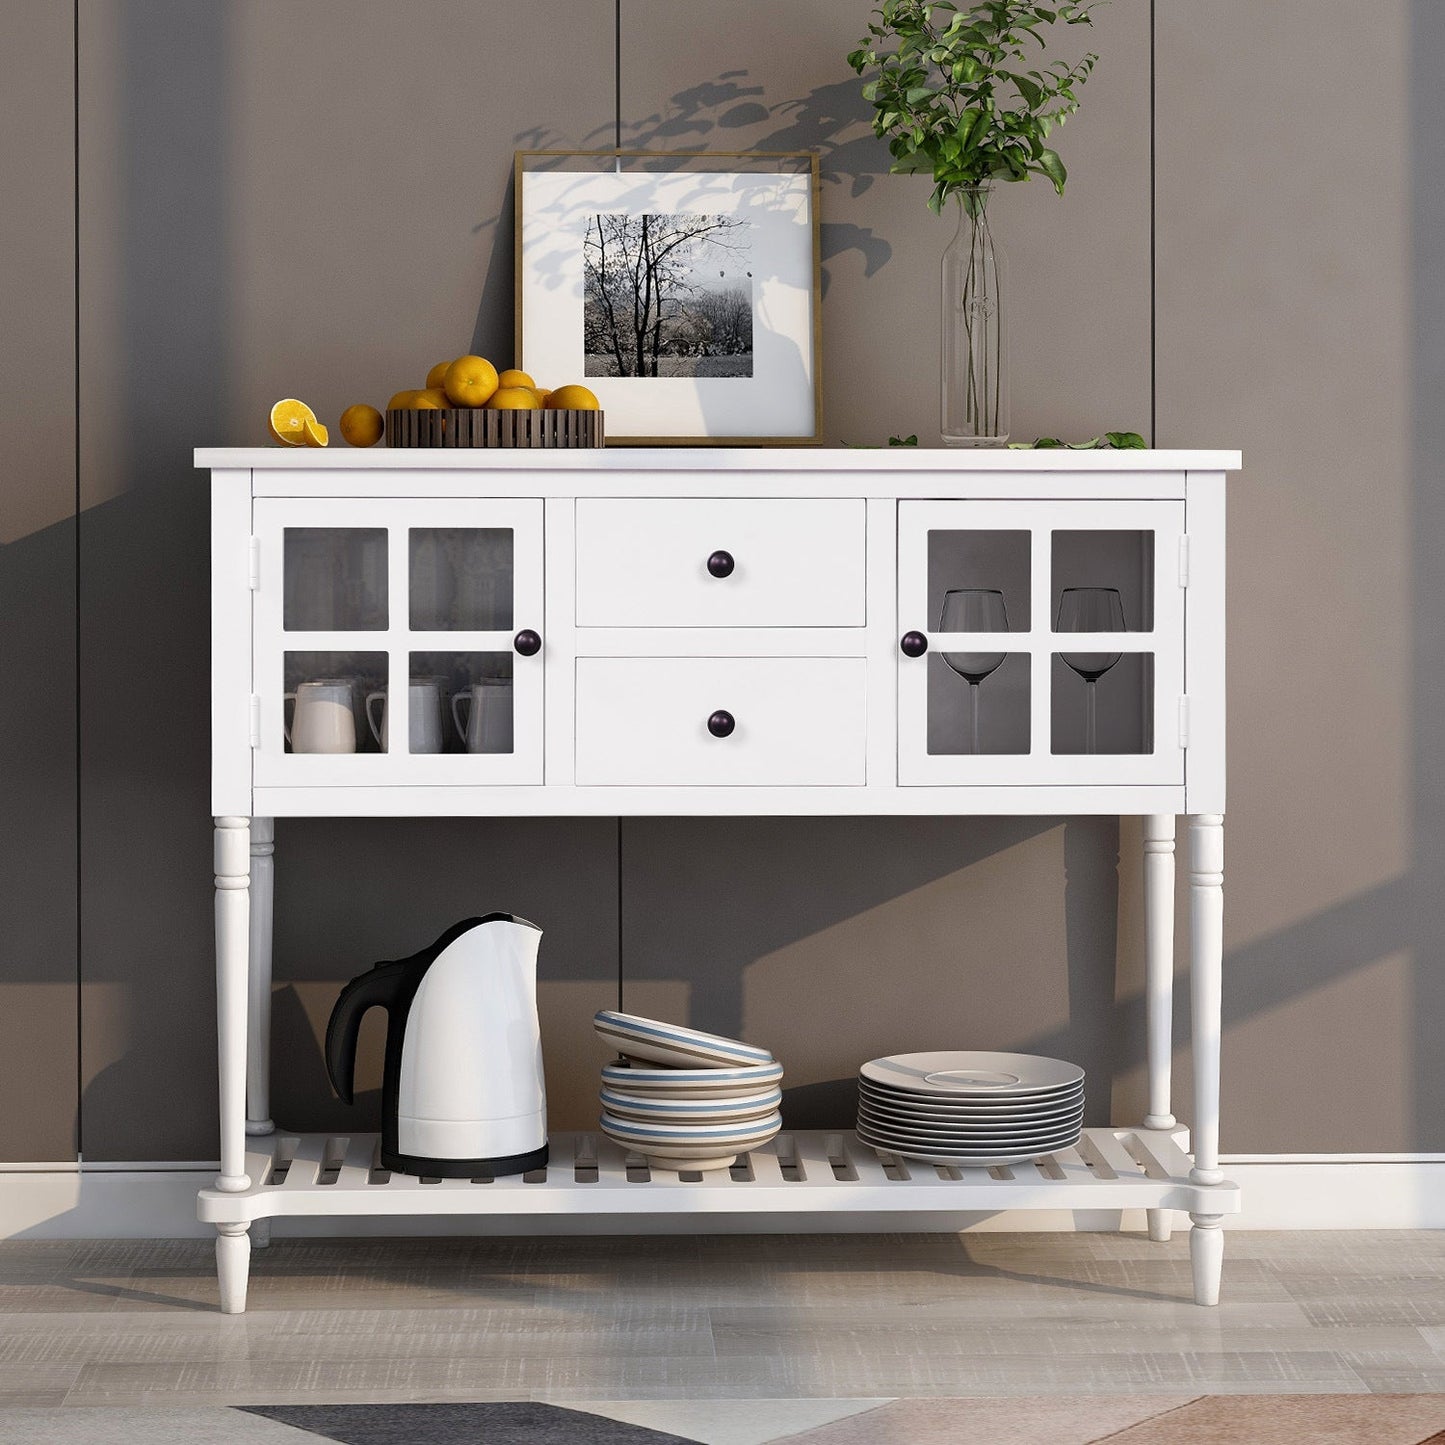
683	288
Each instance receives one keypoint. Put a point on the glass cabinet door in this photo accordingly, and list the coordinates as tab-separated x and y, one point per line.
1055	642
393	642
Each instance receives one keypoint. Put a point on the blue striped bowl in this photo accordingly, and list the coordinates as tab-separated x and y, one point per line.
663	1043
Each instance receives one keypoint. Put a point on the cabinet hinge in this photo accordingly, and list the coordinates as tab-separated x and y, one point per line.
1184	560
255	721
254	572
1183	722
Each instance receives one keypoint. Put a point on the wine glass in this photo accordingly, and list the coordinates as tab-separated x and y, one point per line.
973	609
1090	609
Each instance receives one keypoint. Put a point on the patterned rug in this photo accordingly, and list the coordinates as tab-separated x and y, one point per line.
1050	1420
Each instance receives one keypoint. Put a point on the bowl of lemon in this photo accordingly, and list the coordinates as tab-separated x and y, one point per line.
467	402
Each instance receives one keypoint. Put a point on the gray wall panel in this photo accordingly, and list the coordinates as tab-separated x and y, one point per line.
1285	328
37	585
277	200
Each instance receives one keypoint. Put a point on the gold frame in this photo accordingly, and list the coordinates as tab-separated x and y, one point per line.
814	198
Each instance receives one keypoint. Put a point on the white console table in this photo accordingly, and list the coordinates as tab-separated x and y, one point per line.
674	632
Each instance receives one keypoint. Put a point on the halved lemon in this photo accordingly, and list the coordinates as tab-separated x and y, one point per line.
316	435
288	421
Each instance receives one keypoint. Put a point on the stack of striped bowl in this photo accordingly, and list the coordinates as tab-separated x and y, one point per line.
685	1099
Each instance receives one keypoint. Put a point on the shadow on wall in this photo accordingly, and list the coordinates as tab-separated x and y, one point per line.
830	119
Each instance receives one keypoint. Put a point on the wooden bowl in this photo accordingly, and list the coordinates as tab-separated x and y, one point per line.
478	427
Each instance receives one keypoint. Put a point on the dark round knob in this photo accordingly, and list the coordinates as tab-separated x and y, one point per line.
913	644
721	724
721	564
527	642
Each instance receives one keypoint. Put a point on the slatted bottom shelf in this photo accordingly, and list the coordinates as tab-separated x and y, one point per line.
799	1172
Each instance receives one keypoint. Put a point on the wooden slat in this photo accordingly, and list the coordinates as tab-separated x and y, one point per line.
1075	1169
1114	1156
356	1167
306	1165
811	1151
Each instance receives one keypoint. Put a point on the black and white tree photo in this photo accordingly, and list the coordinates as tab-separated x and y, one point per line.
668	295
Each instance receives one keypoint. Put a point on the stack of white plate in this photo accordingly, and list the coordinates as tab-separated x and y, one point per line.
685	1099
969	1108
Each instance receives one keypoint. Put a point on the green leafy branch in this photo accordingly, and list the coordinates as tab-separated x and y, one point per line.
953	95
1123	441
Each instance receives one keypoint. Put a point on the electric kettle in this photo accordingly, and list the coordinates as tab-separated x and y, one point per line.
462	1093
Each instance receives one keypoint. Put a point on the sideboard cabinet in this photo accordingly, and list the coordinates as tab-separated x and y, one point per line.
632	632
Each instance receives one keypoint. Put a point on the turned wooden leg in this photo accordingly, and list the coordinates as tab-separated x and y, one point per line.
233	871
258	1030
1206	956
1159	983
233	1266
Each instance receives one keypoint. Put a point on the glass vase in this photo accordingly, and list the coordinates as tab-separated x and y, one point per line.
975	363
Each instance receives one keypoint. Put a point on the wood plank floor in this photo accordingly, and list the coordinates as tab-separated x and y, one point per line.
739	1317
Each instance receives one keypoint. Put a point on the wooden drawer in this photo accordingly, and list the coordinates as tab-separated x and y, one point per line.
643	721
643	562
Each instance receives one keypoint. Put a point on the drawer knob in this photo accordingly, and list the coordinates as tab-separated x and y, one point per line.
527	642
913	644
721	564
721	723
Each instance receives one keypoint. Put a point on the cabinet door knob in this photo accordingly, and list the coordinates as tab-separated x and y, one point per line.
913	644
721	564
721	723
527	642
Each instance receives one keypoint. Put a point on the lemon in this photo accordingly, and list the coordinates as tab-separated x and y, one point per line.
316	435
362	425
572	398
287	421
402	400
471	380
437	376
543	392
431	399
513	377
513	398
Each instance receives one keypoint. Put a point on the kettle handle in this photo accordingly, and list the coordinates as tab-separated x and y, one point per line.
379	987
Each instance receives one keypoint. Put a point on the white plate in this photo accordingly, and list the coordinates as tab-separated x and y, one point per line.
967	1141
950	1119
676	1111
926	1136
970	1159
1033	1108
974	1144
665	1043
742	1135
641	1080
1008	1128
972	1074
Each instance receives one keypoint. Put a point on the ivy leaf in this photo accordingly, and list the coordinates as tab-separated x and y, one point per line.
1125	440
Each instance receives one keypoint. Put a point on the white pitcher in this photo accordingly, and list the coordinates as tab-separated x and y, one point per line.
424	716
324	720
488	725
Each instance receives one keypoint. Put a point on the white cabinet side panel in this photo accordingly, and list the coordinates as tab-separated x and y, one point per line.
230	644
1204	643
